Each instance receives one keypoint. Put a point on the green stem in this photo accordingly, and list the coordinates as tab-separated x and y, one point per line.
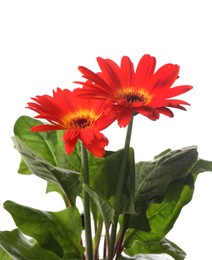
86	204
122	231
120	189
98	238
107	240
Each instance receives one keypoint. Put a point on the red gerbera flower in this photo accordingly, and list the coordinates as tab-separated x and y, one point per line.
142	91
81	118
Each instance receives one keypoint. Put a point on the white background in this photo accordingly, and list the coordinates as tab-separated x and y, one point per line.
43	42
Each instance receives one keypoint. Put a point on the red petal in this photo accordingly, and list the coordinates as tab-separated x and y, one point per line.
101	86
145	70
124	116
165	111
70	139
94	141
149	112
176	91
127	72
45	128
108	73
164	77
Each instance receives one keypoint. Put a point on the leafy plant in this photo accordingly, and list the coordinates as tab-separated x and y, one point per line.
154	195
128	207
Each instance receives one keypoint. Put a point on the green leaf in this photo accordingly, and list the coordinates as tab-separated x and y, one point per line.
156	247
19	247
4	255
106	211
59	232
174	171
154	177
104	174
48	145
67	181
40	142
200	167
162	215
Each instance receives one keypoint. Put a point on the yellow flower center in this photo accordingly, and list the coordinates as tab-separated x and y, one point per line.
132	95
80	119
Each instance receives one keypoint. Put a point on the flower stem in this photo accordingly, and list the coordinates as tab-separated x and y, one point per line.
122	231
98	238
86	205
120	189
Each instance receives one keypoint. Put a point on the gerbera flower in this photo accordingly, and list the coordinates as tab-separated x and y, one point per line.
83	119
142	91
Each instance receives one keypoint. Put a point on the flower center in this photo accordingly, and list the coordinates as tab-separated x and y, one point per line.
133	98
80	122
80	119
133	95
